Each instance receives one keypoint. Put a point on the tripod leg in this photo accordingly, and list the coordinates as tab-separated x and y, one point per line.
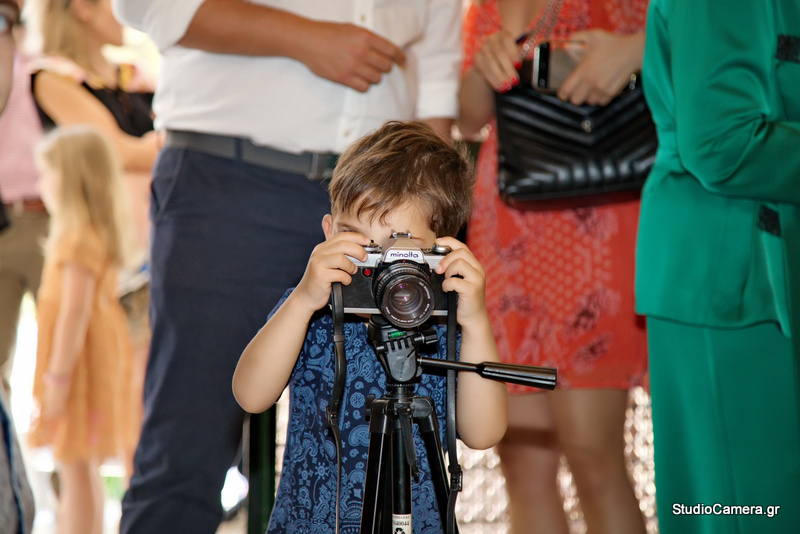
377	471
429	431
401	474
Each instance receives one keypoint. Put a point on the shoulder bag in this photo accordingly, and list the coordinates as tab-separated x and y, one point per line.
550	149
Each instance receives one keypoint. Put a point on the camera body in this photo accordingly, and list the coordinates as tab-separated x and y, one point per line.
398	282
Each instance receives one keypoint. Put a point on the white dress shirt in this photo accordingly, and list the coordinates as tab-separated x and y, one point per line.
279	102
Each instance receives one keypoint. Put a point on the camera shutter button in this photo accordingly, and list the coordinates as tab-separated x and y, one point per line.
372	248
440	249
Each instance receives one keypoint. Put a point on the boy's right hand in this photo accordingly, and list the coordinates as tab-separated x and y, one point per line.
328	264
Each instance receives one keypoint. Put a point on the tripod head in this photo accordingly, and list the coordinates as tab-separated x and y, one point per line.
397	350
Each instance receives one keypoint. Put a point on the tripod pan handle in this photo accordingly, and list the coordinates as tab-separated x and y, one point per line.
524	375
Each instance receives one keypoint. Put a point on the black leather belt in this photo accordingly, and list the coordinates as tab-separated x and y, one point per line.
313	165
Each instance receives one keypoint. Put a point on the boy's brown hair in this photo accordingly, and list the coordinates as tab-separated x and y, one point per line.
404	162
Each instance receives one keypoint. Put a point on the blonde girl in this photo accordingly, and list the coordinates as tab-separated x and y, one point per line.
84	356
75	82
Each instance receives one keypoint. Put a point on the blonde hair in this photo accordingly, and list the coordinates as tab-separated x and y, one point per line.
88	192
60	31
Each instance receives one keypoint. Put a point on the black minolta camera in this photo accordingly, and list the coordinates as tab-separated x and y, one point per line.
398	283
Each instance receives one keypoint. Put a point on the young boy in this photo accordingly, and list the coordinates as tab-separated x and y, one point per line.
401	178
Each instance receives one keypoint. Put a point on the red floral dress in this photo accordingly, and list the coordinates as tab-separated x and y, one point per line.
560	283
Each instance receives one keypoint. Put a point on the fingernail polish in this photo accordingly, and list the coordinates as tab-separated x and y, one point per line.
514	81
518	65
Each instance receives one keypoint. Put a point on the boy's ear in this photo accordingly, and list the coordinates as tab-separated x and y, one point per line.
327	226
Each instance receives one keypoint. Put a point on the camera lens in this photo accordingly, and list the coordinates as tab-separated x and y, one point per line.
404	294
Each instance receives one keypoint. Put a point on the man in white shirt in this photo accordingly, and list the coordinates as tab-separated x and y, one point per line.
258	99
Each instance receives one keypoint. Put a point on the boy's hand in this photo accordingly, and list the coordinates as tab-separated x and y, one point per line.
328	264
466	276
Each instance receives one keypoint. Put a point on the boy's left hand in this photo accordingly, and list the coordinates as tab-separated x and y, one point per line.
465	275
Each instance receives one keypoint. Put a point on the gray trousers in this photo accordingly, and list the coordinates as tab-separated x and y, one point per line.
21	261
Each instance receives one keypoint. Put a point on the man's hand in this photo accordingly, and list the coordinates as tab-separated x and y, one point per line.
349	55
343	53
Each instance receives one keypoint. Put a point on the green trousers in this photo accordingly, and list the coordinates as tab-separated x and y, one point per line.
725	422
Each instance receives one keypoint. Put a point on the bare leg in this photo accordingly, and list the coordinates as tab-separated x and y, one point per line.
81	499
590	429
529	459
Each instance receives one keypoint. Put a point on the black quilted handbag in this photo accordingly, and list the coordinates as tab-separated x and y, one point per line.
551	149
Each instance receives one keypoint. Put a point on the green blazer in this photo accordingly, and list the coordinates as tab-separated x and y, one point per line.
719	235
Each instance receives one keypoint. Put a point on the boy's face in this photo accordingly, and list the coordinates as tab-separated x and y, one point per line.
9	12
406	218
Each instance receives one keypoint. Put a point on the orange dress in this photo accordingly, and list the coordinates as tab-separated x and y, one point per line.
98	422
559	283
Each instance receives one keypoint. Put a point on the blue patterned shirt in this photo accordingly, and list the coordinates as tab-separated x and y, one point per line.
306	498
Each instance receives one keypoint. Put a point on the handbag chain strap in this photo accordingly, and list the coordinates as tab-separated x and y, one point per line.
544	26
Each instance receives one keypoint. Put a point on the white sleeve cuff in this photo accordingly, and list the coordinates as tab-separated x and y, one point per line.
438	99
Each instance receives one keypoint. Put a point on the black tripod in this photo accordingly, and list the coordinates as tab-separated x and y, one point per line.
391	457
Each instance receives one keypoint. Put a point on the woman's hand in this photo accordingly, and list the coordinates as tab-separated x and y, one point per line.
328	264
605	69
466	276
494	69
498	60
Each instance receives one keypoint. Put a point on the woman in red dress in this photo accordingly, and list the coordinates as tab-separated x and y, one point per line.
560	282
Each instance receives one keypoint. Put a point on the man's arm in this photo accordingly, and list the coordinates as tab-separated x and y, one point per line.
343	53
439	53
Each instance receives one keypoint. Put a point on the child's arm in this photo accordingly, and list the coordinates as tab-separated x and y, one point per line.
78	286
481	404
266	364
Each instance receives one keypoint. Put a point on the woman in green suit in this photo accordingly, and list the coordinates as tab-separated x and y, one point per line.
718	263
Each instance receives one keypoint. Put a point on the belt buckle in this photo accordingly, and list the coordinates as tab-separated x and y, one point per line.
319	169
